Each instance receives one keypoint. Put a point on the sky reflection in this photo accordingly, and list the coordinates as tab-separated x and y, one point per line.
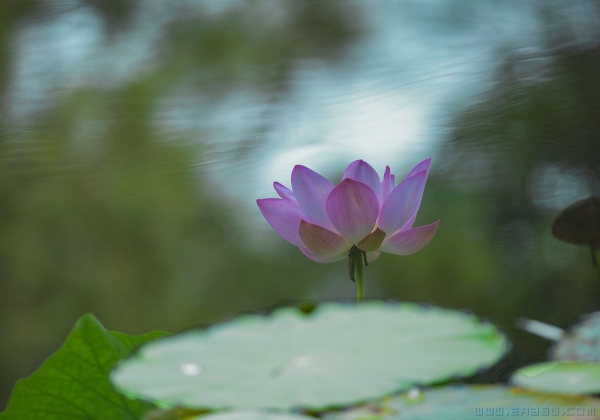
389	100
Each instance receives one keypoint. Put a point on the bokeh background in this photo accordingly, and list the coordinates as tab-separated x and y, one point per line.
136	135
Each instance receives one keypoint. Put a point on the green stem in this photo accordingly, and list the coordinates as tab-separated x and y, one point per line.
358	275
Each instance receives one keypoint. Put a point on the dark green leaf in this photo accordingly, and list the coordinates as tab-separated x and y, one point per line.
73	382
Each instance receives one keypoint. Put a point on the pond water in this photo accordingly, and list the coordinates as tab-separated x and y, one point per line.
136	137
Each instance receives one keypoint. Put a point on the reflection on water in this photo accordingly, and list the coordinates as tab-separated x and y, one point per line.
135	137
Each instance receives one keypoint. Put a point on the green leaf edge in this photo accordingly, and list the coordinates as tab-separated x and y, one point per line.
122	345
539	368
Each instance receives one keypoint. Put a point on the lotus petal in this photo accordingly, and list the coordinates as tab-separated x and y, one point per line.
284	216
353	208
410	241
322	241
361	171
311	191
321	258
402	203
387	185
284	192
410	223
372	241
420	167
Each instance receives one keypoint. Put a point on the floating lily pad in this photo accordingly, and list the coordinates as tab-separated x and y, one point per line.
337	355
177	414
560	378
253	415
473	401
581	343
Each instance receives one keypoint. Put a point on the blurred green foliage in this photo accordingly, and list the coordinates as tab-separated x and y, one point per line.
102	210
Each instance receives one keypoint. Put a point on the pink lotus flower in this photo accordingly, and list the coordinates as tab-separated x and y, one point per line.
326	221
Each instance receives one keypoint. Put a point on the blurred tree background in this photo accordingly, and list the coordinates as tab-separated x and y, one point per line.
105	208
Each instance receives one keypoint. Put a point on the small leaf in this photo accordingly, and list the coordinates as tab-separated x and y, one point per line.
73	382
562	378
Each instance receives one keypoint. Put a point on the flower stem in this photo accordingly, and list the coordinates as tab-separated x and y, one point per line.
358	274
